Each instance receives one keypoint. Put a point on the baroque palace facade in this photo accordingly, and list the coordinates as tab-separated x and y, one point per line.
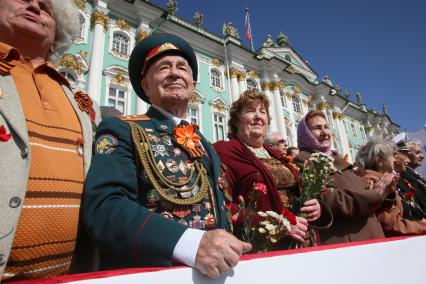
97	62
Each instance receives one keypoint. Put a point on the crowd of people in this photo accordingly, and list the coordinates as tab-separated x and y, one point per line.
78	194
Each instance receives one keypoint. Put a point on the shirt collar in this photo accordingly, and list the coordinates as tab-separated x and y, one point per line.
8	52
176	120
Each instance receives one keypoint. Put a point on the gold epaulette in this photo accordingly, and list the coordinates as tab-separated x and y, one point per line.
140	117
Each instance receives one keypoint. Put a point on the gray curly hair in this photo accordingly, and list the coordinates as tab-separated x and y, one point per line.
67	27
371	154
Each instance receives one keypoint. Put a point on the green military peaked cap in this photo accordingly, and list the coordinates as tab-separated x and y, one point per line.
150	48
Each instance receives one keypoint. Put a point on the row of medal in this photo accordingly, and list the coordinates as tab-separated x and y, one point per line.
181	212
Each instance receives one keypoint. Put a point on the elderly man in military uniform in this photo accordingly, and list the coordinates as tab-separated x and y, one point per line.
154	195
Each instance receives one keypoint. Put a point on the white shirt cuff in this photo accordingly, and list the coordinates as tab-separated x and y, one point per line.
187	247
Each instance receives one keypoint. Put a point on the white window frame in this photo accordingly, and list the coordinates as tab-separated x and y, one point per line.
252	81
297	101
353	128
110	72
122	45
84	30
220	89
225	130
117	89
130	36
363	134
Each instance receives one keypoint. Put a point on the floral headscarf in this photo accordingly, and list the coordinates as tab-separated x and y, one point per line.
306	140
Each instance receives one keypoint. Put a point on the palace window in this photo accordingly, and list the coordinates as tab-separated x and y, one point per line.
296	104
117	99
215	78
193	114
120	43
251	85
219	126
283	101
82	26
355	134
361	129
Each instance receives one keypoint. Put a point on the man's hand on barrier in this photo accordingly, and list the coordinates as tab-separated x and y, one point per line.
218	252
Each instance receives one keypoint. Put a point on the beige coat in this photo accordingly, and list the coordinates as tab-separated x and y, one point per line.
15	159
352	205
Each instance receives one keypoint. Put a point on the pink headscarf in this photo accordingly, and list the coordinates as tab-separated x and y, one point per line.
307	141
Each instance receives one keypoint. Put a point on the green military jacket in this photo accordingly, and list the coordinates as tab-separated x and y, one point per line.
143	190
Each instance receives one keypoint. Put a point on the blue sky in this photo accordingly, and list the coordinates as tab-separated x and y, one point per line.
375	46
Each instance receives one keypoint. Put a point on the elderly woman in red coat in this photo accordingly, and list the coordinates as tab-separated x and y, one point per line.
249	160
353	206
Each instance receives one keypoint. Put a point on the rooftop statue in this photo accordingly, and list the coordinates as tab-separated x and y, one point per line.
282	40
269	42
172	7
230	30
198	19
358	98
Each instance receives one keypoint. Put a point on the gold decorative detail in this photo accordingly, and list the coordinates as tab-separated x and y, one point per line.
266	86
305	102
287	121
338	115
119	79
69	61
323	106
241	76
296	90
216	62
81	4
290	69
141	34
234	72
251	74
277	85
100	18
219	107
122	24
83	54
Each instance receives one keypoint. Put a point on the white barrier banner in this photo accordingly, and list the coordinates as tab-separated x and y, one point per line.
390	261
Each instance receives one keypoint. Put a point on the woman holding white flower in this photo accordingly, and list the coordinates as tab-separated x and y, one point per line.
249	160
352	206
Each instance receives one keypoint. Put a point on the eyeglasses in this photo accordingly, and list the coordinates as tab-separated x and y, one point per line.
282	141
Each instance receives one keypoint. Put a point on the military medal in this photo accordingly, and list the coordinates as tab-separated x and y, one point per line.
196	208
183	168
153	138
167	140
159	150
172	166
197	223
176	152
181	211
209	220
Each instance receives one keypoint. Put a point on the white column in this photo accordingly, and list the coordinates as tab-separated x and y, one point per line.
100	21
293	123
235	90
266	87
241	84
338	118
278	107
